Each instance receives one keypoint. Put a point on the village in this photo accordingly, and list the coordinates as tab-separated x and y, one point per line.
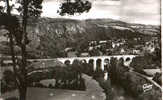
115	47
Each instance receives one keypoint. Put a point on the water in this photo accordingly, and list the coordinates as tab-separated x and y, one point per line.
119	94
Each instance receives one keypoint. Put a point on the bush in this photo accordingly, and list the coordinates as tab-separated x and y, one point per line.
157	78
8	82
145	62
66	77
69	77
133	83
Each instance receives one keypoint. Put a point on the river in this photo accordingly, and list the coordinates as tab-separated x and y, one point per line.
120	94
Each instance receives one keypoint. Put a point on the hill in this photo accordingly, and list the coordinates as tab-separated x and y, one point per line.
57	34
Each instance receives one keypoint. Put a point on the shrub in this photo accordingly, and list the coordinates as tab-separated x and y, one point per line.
133	83
8	82
157	78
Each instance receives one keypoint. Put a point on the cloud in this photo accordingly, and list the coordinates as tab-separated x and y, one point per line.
145	11
134	11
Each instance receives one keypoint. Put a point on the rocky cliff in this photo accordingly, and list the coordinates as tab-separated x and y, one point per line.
93	29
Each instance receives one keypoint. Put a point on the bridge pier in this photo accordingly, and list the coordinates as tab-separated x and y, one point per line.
94	64
71	61
105	76
102	64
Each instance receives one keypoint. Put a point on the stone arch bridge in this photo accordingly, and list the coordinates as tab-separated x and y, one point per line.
127	59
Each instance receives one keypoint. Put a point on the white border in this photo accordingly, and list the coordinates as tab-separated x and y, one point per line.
161	12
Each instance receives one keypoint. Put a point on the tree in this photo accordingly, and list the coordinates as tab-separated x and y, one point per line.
11	24
18	34
69	7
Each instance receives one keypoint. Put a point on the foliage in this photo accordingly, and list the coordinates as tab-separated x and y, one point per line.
133	83
8	21
66	77
70	77
94	52
11	23
69	7
146	62
34	7
112	70
52	46
8	82
18	29
158	78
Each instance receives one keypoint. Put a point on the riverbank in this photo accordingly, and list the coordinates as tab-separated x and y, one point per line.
134	84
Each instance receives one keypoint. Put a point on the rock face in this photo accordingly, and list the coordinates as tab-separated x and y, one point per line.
73	30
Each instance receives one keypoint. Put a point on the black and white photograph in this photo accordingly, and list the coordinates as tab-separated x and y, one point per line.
80	50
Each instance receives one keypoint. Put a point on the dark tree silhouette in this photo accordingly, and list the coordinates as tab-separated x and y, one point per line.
71	7
17	32
18	36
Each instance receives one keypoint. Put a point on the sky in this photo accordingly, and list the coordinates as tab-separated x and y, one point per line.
132	11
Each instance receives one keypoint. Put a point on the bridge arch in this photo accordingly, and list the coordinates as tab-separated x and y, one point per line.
91	61
98	63
84	60
128	61
67	62
106	60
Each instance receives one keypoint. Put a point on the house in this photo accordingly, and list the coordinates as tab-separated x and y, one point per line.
113	45
103	42
84	54
136	51
92	43
70	52
122	51
67	49
90	48
3	36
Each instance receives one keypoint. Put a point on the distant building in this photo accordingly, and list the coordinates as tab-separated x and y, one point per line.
3	36
122	51
136	51
90	48
113	45
68	49
84	54
103	42
92	43
70	52
117	44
